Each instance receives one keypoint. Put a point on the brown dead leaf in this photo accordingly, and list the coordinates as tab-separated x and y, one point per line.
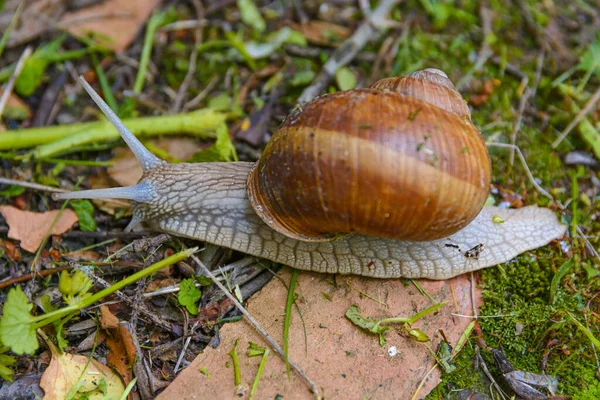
344	361
113	23
108	319
82	255
160	283
121	351
31	227
113	206
485	92
15	107
127	170
37	17
323	33
65	372
11	250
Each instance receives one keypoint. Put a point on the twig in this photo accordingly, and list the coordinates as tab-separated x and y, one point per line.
589	106
473	295
13	78
141	307
189	76
527	94
487	373
525	166
485	52
414	396
348	50
26	277
200	96
251	319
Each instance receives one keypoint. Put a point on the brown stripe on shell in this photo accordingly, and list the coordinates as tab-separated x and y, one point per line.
423	172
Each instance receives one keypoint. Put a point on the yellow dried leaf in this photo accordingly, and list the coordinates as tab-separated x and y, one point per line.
65	372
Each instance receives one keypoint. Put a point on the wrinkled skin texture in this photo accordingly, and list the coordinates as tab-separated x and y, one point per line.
209	202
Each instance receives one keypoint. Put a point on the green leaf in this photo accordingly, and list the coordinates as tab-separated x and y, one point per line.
444	357
302	78
222	150
250	15
204	280
221	102
189	295
368	324
5	372
6	361
35	66
16	325
591	271
345	79
418	335
562	271
590	61
12	191
85	211
255	350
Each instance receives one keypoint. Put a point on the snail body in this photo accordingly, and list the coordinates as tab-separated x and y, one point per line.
414	210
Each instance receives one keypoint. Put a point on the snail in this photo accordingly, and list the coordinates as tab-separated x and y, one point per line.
388	181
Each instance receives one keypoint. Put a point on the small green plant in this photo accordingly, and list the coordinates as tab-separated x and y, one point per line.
377	328
18	325
189	295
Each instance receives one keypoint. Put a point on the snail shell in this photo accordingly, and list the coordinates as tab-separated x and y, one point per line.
400	159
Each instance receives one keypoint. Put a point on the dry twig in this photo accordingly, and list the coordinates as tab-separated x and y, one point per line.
11	82
349	49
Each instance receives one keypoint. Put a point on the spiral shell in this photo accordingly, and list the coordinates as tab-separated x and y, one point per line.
400	159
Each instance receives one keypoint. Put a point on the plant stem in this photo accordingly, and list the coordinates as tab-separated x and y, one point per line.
46	319
414	318
288	317
53	139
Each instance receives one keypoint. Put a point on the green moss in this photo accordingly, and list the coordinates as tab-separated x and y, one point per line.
519	318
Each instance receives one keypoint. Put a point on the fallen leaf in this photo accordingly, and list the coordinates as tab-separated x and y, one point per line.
121	349
64	376
127	170
108	319
323	33
36	18
11	251
343	360
113	23
113	206
31	227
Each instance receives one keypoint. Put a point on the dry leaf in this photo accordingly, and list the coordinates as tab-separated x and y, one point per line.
31	227
344	361
12	252
127	170
121	352
65	372
121	349
108	319
82	255
323	33
111	206
114	23
37	17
